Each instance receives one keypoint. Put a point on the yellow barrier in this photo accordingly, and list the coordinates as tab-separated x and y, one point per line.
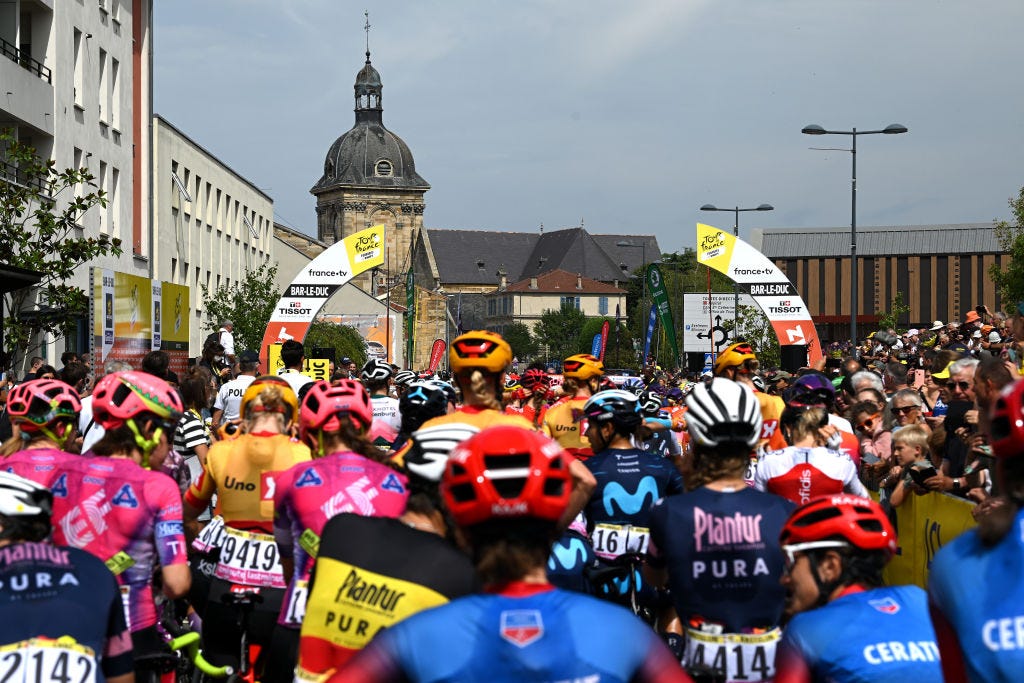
925	524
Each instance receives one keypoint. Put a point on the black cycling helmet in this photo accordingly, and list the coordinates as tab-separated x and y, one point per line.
423	401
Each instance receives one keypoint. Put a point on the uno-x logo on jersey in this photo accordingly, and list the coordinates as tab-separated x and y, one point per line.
85	522
885	606
267	485
521	626
357	497
768	428
630	503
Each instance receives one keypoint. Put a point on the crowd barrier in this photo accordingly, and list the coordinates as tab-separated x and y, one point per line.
925	524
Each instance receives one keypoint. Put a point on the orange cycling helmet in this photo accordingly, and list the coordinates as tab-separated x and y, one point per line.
582	366
291	401
860	522
734	354
481	350
506	473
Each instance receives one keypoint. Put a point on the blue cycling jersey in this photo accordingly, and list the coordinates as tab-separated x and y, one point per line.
722	553
570	555
527	633
878	636
979	591
629	481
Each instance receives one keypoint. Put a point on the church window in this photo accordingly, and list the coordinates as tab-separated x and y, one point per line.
383	168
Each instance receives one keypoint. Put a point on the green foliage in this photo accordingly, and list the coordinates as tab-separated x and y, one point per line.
524	346
559	330
624	357
345	340
1010	282
248	303
40	211
888	320
758	331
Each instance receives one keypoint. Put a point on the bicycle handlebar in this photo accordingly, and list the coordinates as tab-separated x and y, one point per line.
187	641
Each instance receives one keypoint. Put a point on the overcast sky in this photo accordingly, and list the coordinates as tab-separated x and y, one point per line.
627	115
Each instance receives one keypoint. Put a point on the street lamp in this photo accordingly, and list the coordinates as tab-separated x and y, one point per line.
736	231
892	129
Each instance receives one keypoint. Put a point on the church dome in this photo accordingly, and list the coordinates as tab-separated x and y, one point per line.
369	154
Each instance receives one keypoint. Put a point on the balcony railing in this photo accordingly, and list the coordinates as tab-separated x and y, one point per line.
11	174
33	65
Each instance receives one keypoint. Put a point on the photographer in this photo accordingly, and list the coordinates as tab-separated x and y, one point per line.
961	424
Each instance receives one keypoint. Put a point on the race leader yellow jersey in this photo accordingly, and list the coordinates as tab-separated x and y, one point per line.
241	472
562	424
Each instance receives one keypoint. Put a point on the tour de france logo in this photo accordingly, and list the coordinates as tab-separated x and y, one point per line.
712	246
367	243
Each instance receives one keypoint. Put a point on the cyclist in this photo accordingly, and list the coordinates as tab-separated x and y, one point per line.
242	472
536	388
974	586
421	401
65	621
715	544
848	628
44	415
657	436
815	389
507	488
583	374
739	363
376	376
116	508
346	475
402	380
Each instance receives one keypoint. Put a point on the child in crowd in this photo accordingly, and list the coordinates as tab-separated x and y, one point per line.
910	451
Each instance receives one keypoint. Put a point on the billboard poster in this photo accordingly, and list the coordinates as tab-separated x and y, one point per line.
175	323
103	313
318	281
705	325
771	290
157	322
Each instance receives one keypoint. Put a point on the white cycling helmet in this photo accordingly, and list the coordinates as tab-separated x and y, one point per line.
722	412
376	370
26	507
405	377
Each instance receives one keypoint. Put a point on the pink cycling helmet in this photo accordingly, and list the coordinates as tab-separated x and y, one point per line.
325	405
121	396
41	402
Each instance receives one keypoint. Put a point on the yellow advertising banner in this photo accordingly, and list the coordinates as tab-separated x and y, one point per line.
132	313
924	524
365	249
175	317
317	368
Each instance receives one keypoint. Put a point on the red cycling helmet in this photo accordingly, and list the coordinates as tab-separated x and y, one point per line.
506	473
40	402
533	378
120	396
1007	428
858	521
326	405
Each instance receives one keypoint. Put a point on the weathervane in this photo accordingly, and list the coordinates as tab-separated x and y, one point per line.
366	27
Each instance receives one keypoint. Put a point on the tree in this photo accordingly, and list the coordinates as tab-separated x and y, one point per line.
345	340
524	346
41	209
559	331
248	303
888	320
1010	281
758	331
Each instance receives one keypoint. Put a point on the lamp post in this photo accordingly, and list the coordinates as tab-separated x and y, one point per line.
891	129
736	231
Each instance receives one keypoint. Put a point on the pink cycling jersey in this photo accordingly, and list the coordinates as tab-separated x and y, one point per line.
310	493
126	516
41	465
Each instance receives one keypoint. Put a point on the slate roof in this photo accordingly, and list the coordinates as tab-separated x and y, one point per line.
457	253
558	281
897	240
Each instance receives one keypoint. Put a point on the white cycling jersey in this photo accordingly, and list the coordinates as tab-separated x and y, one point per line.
800	474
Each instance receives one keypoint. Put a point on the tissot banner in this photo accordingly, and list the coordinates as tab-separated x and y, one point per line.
656	284
770	288
318	281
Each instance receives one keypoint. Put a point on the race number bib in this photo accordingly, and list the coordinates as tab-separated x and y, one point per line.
745	658
296	609
40	660
249	559
612	540
211	537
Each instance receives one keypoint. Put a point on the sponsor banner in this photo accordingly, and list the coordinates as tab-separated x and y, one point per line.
652	318
604	339
410	316
656	284
316	368
595	346
103	312
771	289
436	354
924	525
157	322
174	326
318	280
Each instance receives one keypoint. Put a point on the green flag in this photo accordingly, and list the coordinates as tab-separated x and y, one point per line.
656	286
410	318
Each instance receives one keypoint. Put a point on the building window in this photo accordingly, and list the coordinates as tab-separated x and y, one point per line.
602	305
79	90
115	94
570	302
492	306
104	92
383	168
101	183
114	201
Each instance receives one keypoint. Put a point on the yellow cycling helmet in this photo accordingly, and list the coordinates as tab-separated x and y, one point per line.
734	355
582	366
479	349
290	409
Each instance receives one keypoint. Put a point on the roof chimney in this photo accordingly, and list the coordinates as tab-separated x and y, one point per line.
579	280
502	278
533	283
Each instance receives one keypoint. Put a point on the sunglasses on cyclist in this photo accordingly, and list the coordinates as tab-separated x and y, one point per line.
790	551
868	422
903	410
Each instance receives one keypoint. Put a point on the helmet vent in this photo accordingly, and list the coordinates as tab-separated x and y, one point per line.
812	518
554	487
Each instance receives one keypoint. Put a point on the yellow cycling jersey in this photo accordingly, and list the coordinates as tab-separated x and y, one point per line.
562	424
771	411
241	472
